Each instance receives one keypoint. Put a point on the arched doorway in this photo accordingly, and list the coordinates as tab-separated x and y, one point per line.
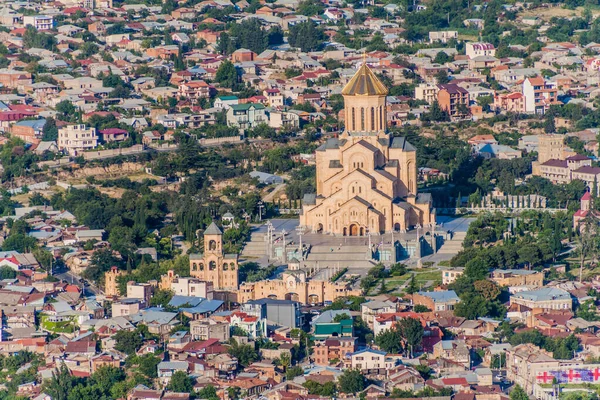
313	299
320	228
362	231
292	296
353	230
345	231
272	296
396	226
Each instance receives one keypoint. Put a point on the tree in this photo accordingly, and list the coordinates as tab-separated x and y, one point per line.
161	297
549	125
518	394
66	108
181	382
306	36
411	330
147	365
227	75
50	131
471	306
293	372
285	360
352	381
442	77
420	308
61	384
412	287
7	272
390	340
208	392
245	353
128	341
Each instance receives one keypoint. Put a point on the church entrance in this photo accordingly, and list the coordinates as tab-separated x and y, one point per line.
353	230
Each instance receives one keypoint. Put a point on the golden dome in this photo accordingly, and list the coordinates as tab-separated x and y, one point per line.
364	83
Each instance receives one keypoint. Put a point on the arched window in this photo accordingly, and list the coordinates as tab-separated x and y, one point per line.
212	265
232	265
201	266
225	266
352	189
362	119
372	119
353	119
212	245
194	267
381	118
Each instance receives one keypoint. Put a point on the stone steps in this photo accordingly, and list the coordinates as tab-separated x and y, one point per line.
454	245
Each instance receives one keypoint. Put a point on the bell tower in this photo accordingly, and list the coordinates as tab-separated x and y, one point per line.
213	240
365	104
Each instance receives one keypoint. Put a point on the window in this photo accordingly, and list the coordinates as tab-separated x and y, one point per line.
372	119
212	245
362	119
381	118
225	266
201	266
194	267
212	265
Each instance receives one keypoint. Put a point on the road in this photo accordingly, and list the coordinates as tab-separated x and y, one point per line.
91	290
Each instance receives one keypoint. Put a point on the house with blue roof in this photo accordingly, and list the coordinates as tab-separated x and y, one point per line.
443	300
28	130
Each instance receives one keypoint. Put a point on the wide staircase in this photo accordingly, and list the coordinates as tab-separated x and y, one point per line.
345	257
454	245
256	247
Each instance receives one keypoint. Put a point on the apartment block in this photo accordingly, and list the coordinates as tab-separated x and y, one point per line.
75	139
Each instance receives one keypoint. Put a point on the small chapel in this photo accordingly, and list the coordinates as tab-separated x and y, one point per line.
366	178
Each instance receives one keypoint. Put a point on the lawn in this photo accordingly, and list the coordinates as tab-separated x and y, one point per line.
421	277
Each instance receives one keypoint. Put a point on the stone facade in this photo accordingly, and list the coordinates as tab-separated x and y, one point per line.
111	287
214	265
366	178
293	285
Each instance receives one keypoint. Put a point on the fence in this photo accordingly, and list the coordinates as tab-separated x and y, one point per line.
95	155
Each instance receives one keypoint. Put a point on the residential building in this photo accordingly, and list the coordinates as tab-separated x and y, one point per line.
192	287
551	147
437	301
451	274
442	36
194	90
453	99
426	92
255	327
524	362
332	323
114	135
473	50
246	116
142	291
454	350
14	79
285	313
206	328
75	139
334	348
372	309
539	95
518	277
30	131
39	22
370	361
545	298
510	102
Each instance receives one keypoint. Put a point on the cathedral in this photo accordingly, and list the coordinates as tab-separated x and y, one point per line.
366	178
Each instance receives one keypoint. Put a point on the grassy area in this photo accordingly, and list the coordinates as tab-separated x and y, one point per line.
56	327
421	277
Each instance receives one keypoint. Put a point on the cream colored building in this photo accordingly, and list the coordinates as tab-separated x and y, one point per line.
192	287
545	298
294	285
366	178
215	266
204	329
75	139
552	147
426	92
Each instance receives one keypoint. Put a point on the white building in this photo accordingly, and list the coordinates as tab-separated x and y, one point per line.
75	139
192	287
39	22
473	50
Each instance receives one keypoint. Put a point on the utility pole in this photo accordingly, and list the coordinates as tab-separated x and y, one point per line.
283	232
300	231
260	208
